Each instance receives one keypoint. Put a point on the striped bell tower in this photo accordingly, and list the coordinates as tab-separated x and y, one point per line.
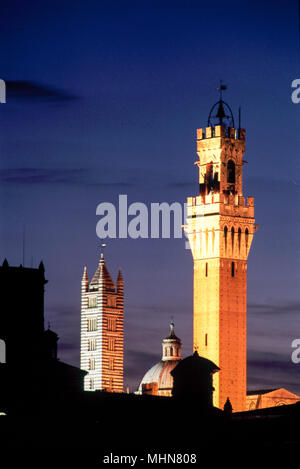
101	343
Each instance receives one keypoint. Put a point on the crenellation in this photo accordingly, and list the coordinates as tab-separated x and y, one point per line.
225	134
208	132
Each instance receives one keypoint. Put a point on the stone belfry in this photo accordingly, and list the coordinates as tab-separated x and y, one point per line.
101	344
220	227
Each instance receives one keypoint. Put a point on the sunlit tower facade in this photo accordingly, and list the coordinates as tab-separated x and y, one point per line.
101	344
220	227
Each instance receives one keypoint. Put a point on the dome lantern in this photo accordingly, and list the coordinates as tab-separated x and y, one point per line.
171	346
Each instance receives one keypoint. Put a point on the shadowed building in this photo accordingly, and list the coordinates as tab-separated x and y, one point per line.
158	381
220	228
101	346
28	361
193	378
22	312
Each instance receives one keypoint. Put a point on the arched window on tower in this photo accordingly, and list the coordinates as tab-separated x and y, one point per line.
206	269
231	172
232	269
232	239
225	237
239	238
209	177
2	351
246	238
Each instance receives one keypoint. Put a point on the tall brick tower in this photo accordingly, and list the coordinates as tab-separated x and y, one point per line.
220	228
101	349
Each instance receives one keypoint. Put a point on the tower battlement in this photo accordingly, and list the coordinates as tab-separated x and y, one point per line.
211	203
221	131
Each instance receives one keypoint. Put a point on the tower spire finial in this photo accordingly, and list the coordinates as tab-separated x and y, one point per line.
103	245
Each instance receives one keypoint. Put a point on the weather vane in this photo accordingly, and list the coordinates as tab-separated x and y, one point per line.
220	113
221	88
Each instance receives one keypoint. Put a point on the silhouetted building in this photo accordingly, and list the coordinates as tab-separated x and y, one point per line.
29	352
158	381
22	312
228	407
193	378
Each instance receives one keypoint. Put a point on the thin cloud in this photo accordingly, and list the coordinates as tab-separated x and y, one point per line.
67	346
29	90
267	309
137	362
184	185
77	176
40	175
273	369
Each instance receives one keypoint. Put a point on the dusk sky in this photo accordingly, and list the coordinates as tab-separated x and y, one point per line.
104	98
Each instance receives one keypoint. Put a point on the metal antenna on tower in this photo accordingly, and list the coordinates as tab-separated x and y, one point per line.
23	254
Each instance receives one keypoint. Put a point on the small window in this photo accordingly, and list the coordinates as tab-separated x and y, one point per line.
111	324
92	345
209	176
239	238
231	172
206	269
111	363
232	238
225	236
205	340
91	384
246	237
111	344
111	301
232	269
91	363
92	302
92	324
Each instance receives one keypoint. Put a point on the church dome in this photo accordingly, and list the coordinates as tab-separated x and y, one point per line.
158	380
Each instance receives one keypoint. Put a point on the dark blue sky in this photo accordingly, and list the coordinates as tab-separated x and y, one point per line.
117	90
